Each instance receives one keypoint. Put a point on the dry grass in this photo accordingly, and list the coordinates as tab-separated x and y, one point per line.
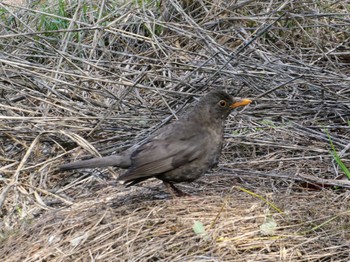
115	228
89	78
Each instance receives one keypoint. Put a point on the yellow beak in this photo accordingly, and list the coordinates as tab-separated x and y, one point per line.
242	102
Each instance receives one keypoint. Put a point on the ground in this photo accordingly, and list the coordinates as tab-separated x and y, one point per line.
81	79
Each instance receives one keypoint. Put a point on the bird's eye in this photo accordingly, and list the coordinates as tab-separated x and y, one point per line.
222	103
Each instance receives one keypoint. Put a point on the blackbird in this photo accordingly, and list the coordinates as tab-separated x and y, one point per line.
181	151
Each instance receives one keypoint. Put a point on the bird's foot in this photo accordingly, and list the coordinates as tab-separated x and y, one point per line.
174	191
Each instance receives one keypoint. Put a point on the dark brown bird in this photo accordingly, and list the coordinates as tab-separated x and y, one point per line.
179	152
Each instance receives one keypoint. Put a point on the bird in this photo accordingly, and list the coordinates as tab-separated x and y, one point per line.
181	151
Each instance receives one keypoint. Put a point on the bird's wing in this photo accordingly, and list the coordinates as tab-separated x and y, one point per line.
164	153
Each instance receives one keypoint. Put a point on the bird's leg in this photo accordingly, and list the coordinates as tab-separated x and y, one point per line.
174	191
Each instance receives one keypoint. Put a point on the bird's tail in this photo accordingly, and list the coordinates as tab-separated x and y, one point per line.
114	160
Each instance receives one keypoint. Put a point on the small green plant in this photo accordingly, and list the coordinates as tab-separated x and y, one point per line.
3	13
49	23
199	229
241	131
336	157
268	228
268	123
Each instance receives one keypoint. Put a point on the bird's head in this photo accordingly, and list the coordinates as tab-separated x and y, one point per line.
220	103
